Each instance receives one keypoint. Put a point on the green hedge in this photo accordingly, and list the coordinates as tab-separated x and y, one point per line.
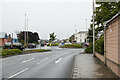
89	49
37	50
54	44
72	46
6	52
99	46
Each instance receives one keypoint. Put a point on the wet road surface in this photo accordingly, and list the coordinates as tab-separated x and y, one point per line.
54	64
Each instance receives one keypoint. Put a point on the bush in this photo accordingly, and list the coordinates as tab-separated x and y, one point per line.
99	46
37	50
89	49
6	52
71	46
54	44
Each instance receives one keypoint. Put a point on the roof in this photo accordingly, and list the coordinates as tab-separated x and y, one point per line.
114	17
3	35
82	31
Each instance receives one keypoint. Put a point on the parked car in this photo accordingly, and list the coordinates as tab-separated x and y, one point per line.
74	42
42	44
68	43
31	45
86	44
9	45
60	44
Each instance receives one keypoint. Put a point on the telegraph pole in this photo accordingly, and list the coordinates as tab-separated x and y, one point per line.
86	25
25	31
75	33
93	30
86	32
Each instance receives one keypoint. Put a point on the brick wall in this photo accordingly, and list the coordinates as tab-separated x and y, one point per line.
1	42
112	42
114	67
119	47
101	57
113	46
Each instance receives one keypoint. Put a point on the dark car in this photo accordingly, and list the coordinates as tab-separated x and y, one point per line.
42	44
31	45
9	45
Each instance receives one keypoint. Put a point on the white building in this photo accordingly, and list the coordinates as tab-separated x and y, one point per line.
81	37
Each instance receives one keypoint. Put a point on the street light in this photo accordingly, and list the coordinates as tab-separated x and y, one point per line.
25	31
93	30
86	25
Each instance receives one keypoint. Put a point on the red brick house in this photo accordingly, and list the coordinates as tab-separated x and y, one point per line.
3	38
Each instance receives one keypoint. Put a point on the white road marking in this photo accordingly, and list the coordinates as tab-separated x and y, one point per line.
27	60
18	73
58	60
42	60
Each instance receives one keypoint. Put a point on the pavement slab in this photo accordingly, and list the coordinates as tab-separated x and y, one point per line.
87	66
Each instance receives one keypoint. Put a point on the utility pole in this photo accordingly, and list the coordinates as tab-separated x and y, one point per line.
86	25
75	33
93	30
86	32
25	31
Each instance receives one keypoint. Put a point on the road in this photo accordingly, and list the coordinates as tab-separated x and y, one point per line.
54	64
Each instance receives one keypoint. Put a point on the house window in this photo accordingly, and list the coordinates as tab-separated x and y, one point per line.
80	40
80	35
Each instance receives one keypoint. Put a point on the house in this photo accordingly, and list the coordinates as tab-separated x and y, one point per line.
81	37
3	38
112	43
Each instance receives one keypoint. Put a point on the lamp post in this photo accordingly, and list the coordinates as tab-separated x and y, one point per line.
25	31
86	25
93	31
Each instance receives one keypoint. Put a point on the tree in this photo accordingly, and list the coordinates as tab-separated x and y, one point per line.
32	37
104	12
52	37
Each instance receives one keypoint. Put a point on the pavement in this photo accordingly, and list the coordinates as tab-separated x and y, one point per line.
54	64
87	66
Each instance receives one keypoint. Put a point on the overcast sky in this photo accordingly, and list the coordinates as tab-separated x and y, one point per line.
46	16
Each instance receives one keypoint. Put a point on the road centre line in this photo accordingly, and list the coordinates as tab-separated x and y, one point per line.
42	60
27	60
18	73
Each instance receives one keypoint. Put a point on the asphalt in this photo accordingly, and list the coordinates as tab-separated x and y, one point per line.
57	63
87	66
